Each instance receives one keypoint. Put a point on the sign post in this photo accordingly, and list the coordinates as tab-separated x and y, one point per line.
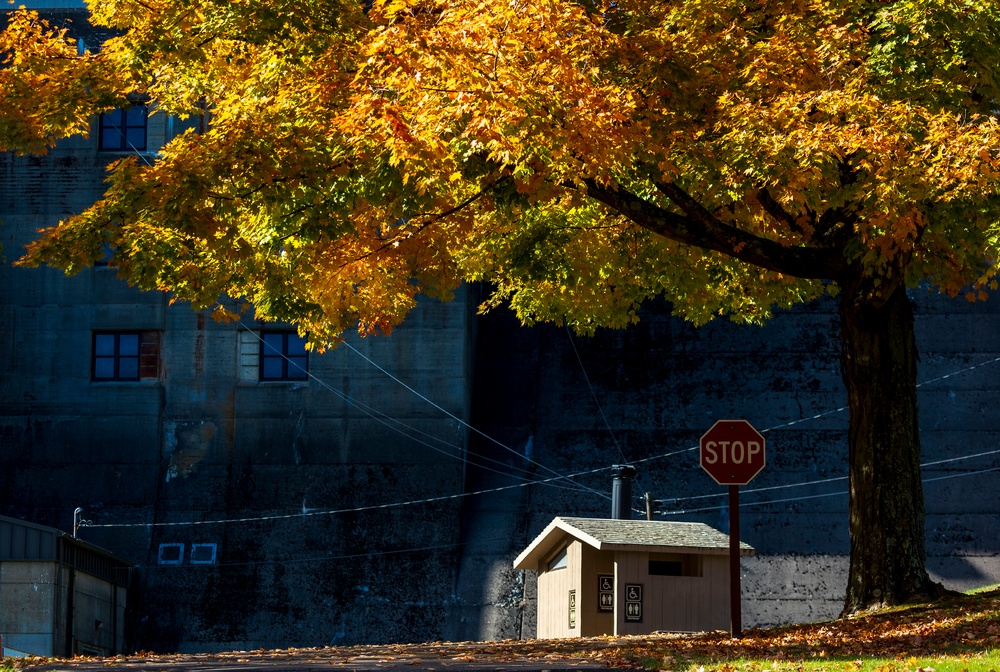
732	453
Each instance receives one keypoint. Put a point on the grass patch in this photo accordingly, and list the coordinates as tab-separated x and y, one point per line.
983	589
957	634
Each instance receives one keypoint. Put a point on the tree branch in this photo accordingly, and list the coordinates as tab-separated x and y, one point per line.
775	209
698	227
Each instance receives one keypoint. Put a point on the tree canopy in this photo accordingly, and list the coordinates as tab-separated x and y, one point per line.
731	156
581	155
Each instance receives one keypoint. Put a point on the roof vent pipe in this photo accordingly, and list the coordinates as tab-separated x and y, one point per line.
621	491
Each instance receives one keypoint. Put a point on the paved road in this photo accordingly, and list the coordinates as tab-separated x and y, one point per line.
592	655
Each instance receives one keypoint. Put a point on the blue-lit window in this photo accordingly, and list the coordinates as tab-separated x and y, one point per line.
123	129
125	355
283	356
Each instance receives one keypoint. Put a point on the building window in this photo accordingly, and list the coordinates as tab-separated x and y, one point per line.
171	554
123	129
666	568
125	355
560	561
680	564
283	356
203	554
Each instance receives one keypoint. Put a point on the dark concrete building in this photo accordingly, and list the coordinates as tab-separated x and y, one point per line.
61	596
263	506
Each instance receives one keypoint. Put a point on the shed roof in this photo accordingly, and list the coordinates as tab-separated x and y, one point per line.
606	534
22	540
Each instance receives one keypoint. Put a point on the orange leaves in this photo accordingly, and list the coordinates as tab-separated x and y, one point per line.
351	160
961	634
514	81
48	90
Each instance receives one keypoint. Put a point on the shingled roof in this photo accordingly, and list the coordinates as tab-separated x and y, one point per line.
606	534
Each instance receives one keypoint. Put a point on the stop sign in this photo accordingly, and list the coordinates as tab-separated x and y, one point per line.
732	452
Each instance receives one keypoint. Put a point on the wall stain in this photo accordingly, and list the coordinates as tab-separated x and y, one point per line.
188	444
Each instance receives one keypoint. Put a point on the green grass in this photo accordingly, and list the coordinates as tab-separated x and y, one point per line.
985	662
959	633
983	589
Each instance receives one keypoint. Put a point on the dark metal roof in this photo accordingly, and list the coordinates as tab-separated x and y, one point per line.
629	535
24	541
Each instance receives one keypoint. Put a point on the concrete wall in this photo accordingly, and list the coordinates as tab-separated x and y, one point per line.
36	599
28	619
306	475
663	383
98	616
159	461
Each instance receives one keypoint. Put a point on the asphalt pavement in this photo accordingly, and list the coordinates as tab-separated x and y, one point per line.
582	655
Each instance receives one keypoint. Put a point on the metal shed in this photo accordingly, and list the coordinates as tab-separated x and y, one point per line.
629	577
60	596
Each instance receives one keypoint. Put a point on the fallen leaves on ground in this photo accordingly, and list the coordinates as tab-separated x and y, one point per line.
956	625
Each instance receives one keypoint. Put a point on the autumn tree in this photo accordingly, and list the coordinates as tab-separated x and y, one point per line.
581	155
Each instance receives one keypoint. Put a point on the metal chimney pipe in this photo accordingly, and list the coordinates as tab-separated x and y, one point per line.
621	491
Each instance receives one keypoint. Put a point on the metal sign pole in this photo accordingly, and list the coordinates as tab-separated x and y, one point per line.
735	602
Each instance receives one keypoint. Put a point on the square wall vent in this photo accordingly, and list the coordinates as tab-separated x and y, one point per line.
203	554
171	554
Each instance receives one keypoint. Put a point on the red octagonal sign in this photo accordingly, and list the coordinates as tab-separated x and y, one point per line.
732	452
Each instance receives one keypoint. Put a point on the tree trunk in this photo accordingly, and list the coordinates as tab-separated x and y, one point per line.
879	366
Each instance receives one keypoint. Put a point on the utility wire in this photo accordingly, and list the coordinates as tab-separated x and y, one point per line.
834	479
838	493
325	558
396	425
834	411
124	134
557	475
330	512
593	394
463	422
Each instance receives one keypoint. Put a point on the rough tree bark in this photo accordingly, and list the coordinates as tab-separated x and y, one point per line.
879	367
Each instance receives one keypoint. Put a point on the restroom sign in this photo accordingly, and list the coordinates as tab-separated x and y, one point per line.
633	603
605	592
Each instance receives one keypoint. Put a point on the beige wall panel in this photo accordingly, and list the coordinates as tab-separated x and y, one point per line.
716	569
630	567
593	622
553	594
673	603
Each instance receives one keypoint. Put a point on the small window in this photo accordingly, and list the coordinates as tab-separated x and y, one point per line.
674	564
561	561
125	355
123	129
171	554
283	356
203	554
666	568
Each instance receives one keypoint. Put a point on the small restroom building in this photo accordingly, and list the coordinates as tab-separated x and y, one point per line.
601	576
